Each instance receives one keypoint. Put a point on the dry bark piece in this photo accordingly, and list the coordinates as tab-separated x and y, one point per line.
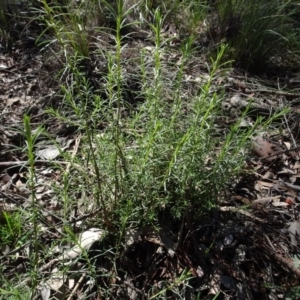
264	149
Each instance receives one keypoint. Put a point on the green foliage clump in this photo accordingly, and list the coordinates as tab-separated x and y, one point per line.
10	229
165	156
259	33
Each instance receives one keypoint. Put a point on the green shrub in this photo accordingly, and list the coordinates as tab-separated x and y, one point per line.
162	157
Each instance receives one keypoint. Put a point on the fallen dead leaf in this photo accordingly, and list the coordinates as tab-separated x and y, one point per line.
294	230
11	101
49	153
263	149
85	241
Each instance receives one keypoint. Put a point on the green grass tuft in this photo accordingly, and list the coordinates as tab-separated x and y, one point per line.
259	32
